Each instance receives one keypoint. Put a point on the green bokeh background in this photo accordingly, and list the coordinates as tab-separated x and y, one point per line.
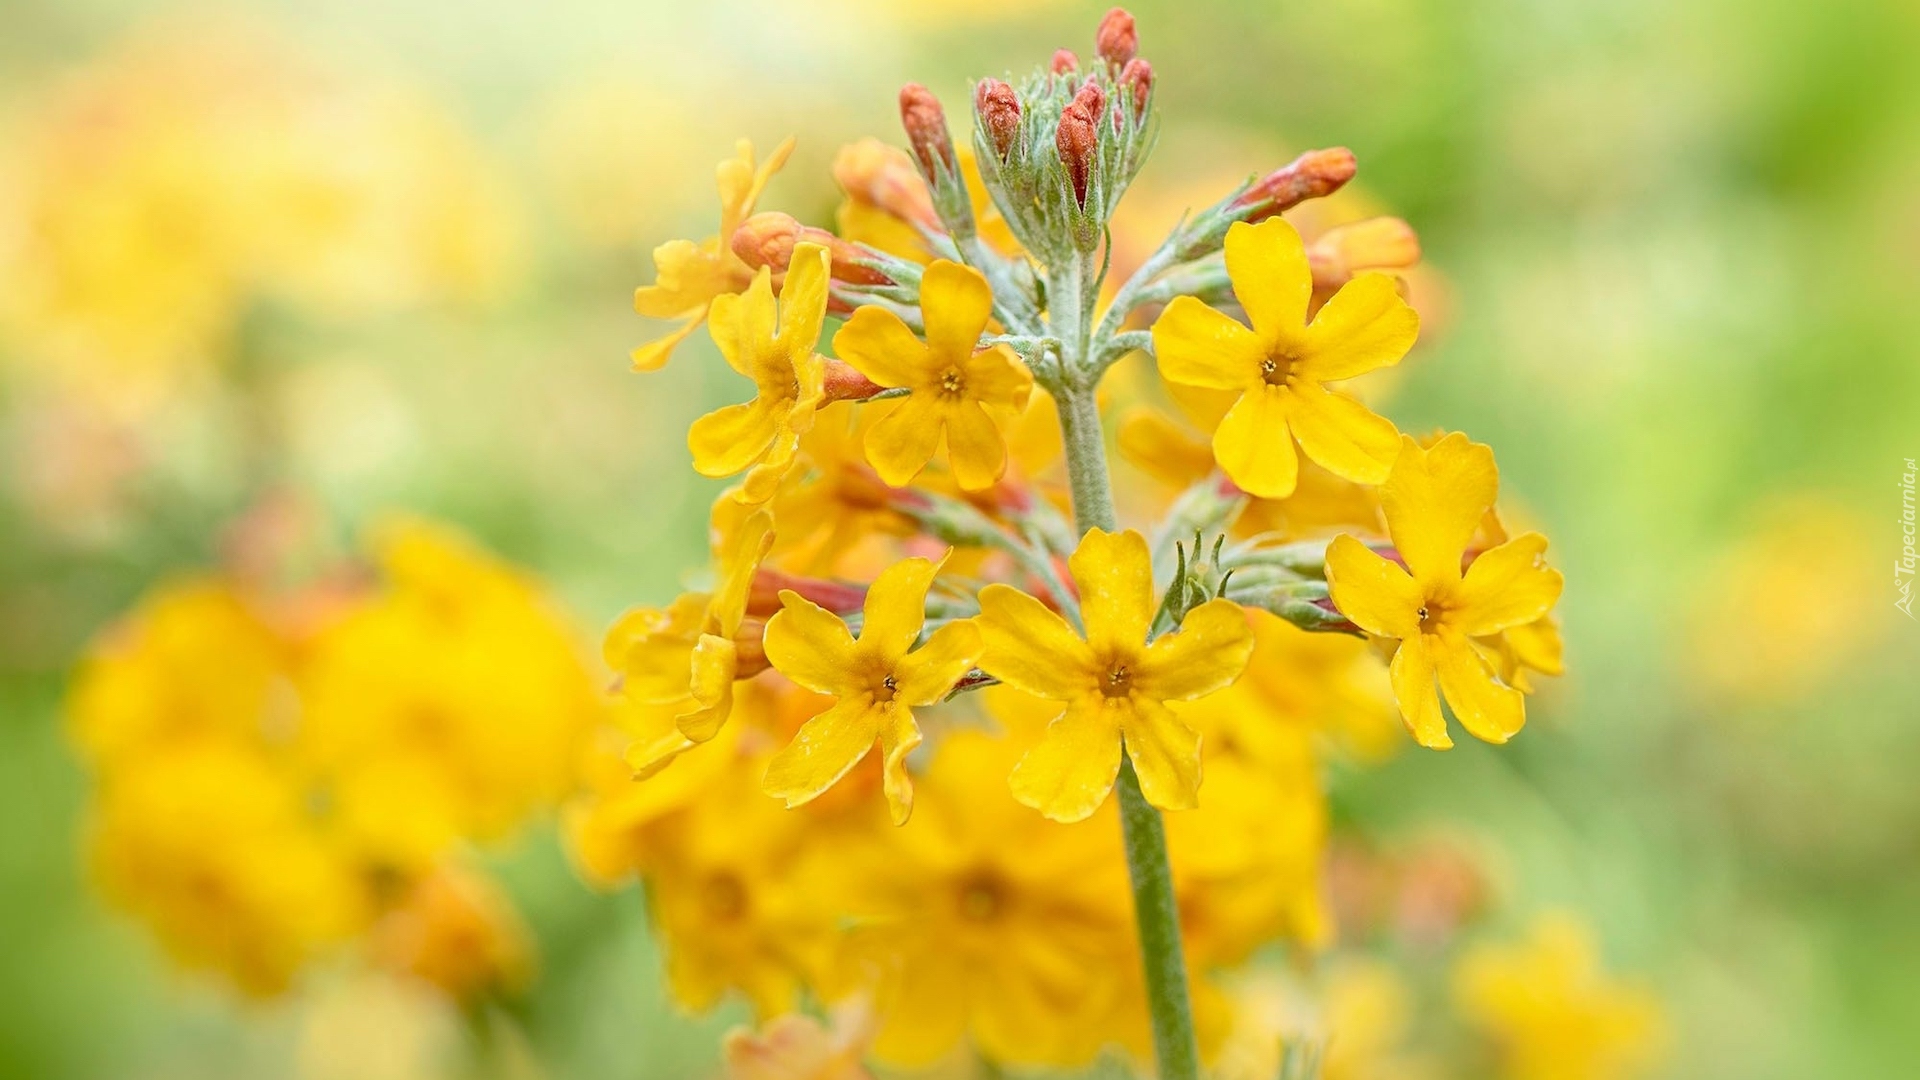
1681	249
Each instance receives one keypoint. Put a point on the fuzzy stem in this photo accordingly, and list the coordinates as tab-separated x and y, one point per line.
1156	912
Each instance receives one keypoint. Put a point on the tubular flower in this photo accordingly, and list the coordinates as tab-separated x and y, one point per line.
1434	500
876	683
1115	685
763	434
950	386
687	656
1281	363
688	277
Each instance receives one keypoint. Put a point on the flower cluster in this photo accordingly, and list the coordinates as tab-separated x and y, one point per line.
922	595
280	777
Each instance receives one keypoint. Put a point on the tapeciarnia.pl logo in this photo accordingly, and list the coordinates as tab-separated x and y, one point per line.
1903	566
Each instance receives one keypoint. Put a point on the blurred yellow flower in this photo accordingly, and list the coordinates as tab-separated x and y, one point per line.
688	277
1114	683
875	683
456	930
1278	366
1552	1013
1434	501
954	386
797	1047
774	348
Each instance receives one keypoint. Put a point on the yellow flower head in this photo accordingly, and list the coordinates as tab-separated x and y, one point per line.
773	347
686	657
1279	366
950	385
1114	683
1434	500
876	683
688	277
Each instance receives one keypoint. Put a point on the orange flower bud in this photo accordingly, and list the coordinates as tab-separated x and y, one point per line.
1065	62
1138	77
767	239
926	124
884	177
1381	243
1117	41
1309	176
999	109
1077	137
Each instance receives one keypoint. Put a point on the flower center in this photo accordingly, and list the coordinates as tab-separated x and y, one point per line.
1433	615
724	896
1119	681
885	689
952	381
1277	369
982	897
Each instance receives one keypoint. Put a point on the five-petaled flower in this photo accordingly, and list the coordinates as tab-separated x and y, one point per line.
689	276
951	382
1279	365
1114	683
774	348
1434	500
876	682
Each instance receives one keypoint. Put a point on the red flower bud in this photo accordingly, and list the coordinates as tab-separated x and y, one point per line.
1064	62
1138	77
1091	98
1076	138
1117	41
767	239
1309	176
884	177
926	124
999	109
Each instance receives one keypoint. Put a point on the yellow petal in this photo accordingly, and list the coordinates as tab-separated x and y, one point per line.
1365	326
1413	687
658	670
1067	774
743	324
955	304
1490	711
1166	755
976	451
803	300
1434	500
1026	645
996	376
1115	574
654	354
1342	435
750	545
879	345
1538	646
1507	587
1267	264
1209	651
895	610
686	276
1373	591
899	735
823	750
1195	345
1254	444
811	645
727	440
1163	448
901	443
925	675
715	660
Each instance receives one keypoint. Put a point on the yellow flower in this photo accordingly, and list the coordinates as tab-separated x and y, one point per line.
456	930
687	656
1434	500
1280	364
688	277
1553	1012
798	1047
951	385
1114	683
778	356
876	683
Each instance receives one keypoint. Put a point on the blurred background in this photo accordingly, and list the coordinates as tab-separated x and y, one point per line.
378	256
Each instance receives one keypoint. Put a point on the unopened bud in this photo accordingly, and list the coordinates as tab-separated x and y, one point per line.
884	177
999	112
1076	140
926	124
1381	243
841	381
1065	62
1117	41
1310	176
1138	78
763	596
768	238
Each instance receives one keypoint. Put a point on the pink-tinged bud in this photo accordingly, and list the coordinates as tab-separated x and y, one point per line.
1091	98
767	239
1065	62
1076	140
999	109
1381	243
884	177
926	124
763	597
1138	78
1311	175
1117	41
841	381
